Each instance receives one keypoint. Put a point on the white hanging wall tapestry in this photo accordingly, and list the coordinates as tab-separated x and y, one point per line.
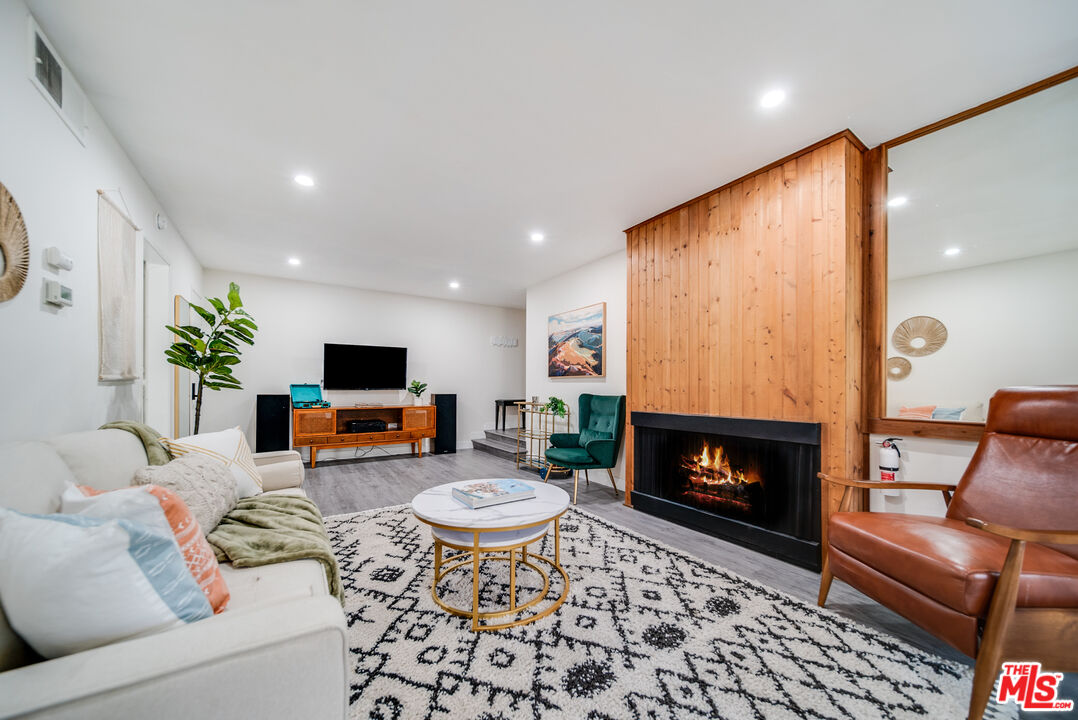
116	293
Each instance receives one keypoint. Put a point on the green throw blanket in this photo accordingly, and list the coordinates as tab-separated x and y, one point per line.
156	454
269	529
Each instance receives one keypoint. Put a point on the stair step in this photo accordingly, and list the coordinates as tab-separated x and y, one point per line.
504	444
506	438
495	448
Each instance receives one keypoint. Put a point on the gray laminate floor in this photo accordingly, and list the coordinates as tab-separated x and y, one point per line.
346	486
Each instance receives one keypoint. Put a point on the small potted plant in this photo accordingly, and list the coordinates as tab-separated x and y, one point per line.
417	389
557	406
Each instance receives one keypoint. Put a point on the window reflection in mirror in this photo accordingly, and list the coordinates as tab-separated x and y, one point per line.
982	253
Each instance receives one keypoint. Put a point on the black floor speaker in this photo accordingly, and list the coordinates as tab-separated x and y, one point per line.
445	439
271	423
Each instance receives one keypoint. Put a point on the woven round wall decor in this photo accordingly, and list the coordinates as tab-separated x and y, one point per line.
898	368
919	335
14	246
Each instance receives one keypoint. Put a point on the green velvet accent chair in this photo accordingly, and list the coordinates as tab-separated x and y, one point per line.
596	446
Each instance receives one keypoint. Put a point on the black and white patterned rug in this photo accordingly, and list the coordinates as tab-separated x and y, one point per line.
646	632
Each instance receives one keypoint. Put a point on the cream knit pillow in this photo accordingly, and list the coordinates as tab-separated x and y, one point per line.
228	447
205	486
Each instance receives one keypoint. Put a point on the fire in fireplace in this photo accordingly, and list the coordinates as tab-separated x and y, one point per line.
746	480
712	483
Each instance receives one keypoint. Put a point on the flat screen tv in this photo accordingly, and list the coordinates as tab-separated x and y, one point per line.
364	367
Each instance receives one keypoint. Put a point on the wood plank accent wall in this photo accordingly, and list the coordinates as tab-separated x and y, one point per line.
747	302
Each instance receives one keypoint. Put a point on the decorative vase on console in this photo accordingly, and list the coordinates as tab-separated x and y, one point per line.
417	389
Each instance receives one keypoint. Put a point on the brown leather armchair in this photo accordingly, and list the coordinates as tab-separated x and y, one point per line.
997	578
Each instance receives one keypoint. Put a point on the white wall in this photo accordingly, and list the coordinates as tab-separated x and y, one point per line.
603	280
48	362
448	345
1008	323
928	460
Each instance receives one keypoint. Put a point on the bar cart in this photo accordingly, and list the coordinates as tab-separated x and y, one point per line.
536	426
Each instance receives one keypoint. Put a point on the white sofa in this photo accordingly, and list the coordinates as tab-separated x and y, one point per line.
278	651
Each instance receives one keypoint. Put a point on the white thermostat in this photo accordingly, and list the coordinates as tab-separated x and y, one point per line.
57	294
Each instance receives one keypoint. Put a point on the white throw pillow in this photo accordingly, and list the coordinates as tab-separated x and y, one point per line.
70	583
228	447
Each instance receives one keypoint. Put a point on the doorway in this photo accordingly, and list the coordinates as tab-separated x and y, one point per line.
157	314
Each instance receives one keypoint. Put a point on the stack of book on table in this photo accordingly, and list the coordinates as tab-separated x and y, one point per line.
483	493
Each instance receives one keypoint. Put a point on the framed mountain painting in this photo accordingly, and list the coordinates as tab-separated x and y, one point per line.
576	342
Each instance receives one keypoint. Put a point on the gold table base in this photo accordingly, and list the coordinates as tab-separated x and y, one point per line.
473	556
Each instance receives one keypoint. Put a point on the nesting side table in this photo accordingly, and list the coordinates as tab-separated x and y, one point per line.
499	533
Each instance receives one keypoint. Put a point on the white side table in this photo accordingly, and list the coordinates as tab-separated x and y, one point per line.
494	534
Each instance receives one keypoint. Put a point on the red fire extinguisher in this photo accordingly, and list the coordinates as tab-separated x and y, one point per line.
889	460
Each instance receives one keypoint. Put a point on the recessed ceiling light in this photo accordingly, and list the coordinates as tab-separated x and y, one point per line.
304	180
772	98
537	237
453	284
293	261
898	201
952	251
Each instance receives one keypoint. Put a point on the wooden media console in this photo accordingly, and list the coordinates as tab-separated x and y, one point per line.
321	428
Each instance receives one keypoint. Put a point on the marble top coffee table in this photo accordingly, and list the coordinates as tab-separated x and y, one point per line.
494	534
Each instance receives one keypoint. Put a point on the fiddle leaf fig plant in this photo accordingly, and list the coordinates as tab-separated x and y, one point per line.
417	388
211	354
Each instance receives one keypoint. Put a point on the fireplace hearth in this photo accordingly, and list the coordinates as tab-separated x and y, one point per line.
749	481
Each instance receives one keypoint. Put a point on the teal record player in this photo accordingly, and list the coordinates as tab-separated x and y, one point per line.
307	396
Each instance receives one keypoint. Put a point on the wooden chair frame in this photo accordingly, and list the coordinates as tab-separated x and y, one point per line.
1047	635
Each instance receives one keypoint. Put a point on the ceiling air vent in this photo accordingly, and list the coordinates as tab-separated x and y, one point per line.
56	83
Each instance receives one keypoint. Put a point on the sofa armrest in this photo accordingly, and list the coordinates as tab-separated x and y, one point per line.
283	660
565	440
280	470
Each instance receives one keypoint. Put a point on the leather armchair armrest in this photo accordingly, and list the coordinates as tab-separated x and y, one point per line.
881	485
849	485
604	452
1052	537
565	440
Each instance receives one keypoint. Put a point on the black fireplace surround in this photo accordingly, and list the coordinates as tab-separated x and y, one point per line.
749	481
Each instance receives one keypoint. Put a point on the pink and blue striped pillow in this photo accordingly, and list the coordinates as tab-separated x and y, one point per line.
71	582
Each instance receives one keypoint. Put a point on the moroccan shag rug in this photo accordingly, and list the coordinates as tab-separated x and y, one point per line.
647	632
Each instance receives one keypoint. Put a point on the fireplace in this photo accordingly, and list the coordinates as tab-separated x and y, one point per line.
752	482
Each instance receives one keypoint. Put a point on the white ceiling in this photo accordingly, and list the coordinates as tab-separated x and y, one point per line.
998	187
442	134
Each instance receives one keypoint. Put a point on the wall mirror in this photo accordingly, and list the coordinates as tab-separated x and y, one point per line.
981	260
